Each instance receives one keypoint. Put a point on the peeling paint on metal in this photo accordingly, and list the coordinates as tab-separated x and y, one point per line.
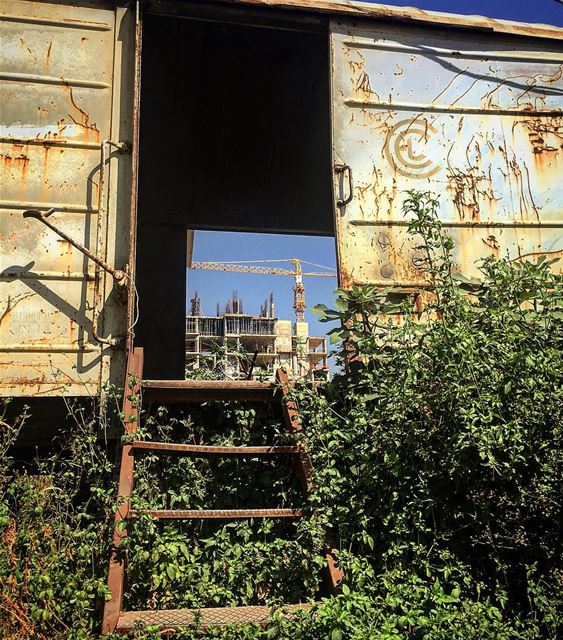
57	73
476	121
409	16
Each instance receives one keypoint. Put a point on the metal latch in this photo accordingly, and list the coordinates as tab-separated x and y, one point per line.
342	169
119	275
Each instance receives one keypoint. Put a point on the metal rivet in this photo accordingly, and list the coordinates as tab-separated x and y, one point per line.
418	260
387	270
383	240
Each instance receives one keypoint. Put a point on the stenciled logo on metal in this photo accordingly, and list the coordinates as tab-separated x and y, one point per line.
406	145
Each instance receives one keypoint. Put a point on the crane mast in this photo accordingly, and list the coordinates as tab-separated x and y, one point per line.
298	293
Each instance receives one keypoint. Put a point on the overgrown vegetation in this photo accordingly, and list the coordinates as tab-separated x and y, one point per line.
198	564
54	527
438	477
215	365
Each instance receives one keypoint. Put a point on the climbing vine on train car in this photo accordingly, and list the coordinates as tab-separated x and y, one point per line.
438	477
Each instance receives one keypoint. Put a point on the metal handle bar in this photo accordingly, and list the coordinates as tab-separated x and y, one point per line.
343	168
119	275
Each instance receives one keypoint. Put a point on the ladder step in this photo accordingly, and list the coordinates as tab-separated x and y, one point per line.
176	391
202	449
178	618
224	514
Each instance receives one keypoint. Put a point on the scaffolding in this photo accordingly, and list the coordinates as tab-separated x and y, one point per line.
238	345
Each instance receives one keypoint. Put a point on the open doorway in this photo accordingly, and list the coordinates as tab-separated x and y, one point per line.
247	317
234	136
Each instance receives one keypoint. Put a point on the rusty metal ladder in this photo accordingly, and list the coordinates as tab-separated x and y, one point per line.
197	391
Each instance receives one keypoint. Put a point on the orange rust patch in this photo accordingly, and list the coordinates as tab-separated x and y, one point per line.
493	244
17	159
84	118
469	190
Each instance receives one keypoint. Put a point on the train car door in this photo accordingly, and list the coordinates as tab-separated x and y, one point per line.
474	119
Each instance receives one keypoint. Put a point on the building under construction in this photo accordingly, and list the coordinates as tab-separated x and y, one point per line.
238	345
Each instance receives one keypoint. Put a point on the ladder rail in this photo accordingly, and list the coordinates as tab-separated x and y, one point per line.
131	415
304	468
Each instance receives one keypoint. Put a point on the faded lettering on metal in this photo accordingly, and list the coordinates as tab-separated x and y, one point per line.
406	148
476	120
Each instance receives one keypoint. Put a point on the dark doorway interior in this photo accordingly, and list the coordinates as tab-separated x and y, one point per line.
235	135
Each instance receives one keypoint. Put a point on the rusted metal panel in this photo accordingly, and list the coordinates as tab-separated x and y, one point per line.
478	122
410	15
56	72
70	81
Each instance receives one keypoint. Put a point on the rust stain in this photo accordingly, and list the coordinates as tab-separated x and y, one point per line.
12	303
67	253
23	381
469	189
493	244
363	83
555	76
345	279
545	135
17	159
8	159
84	120
48	56
24	45
525	196
46	149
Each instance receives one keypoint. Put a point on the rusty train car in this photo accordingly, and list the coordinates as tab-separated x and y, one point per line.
124	124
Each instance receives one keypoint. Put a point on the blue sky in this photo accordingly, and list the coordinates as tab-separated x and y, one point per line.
217	287
214	286
546	11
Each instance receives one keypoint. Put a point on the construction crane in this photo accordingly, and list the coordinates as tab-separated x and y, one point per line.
253	266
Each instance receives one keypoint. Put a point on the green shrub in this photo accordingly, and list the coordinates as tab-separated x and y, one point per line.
55	530
438	478
440	448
